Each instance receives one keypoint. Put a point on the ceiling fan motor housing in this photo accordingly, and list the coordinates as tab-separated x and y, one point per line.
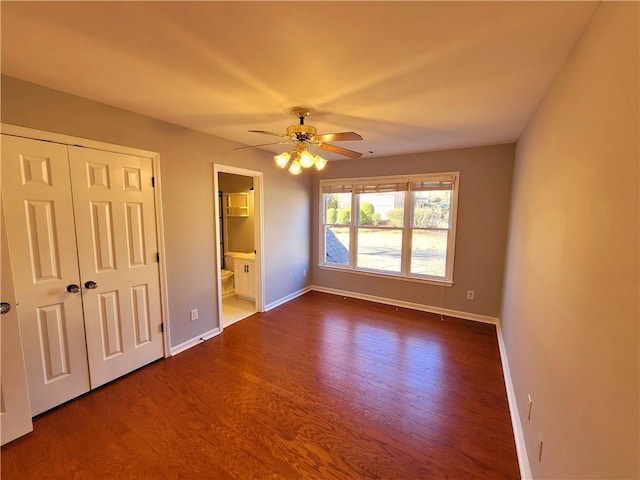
301	133
303	136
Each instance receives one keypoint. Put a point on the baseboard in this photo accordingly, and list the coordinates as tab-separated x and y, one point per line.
194	341
521	447
286	299
413	306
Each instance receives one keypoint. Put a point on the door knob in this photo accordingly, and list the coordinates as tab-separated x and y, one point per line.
90	285
4	308
73	288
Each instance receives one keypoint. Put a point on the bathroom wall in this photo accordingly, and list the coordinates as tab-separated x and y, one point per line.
239	231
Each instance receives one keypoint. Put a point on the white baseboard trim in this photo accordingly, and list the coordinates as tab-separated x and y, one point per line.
286	299
521	447
413	306
194	341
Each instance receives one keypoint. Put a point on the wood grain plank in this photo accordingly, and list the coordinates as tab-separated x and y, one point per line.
322	387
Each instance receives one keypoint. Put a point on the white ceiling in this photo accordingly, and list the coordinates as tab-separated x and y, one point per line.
407	76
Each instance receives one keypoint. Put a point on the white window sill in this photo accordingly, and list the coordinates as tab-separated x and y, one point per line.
395	276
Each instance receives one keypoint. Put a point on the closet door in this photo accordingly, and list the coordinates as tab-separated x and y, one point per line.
114	209
42	244
15	412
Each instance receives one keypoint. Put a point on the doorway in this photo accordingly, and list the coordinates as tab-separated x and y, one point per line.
239	243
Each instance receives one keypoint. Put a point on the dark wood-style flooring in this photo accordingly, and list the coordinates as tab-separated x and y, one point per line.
322	387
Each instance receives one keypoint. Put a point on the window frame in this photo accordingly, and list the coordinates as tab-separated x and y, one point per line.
407	229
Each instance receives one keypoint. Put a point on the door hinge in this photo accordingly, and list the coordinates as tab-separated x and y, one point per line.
162	328
153	182
158	257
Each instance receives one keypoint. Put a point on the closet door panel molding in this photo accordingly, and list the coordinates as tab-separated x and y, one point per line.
115	220
42	246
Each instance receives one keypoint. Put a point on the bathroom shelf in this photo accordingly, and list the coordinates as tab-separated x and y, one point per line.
237	204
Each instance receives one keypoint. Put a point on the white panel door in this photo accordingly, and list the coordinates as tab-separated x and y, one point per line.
15	412
42	246
115	221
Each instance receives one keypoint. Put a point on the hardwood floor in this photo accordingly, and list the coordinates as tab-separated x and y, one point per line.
319	388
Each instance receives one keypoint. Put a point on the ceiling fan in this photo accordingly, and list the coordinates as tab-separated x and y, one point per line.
302	136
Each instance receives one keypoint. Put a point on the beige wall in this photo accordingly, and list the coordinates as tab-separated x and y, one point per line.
186	164
483	211
570	313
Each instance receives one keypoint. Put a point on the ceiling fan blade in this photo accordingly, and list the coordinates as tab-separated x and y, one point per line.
268	133
261	145
337	137
340	150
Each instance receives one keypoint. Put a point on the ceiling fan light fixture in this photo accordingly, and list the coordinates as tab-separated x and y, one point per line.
319	162
301	137
295	168
282	159
306	159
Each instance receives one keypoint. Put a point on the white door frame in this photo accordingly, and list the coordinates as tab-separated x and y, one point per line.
258	229
155	158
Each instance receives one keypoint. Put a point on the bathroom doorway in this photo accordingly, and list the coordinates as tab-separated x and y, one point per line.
239	243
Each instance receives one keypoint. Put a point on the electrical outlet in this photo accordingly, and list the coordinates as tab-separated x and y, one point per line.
304	273
194	314
295	276
471	294
529	405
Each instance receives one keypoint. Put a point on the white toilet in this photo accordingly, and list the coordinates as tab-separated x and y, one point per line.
227	282
226	274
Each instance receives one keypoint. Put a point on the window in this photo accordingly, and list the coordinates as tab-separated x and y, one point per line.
397	226
337	219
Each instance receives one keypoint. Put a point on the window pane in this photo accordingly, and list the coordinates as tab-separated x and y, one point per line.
337	208
382	209
431	209
336	245
429	252
379	249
